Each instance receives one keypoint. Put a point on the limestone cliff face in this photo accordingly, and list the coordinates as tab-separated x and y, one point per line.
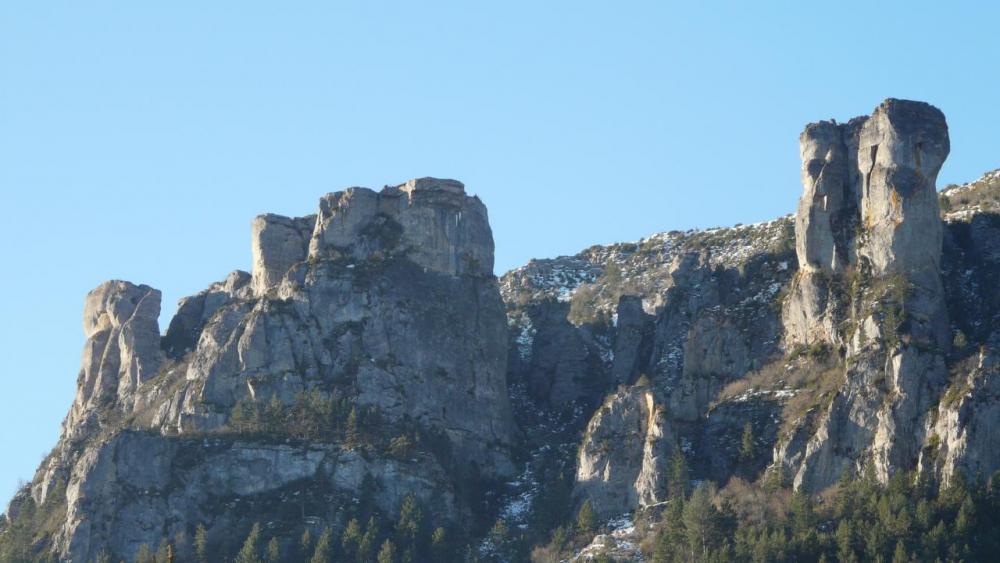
622	462
382	302
390	299
121	352
868	239
692	312
831	341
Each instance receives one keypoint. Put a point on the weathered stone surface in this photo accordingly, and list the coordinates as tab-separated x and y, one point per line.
869	241
138	488
633	341
278	243
964	438
622	461
433	221
395	303
382	301
120	323
194	311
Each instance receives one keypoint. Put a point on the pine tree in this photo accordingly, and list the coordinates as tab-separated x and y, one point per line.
165	553
250	552
351	538
273	551
201	544
966	519
748	449
900	555
586	520
144	554
410	525
387	554
274	415
366	549
351	431
700	522
238	418
323	552
439	545
845	542
803	520
305	543
677	483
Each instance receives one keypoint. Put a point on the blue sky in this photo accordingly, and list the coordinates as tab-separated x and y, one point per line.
138	139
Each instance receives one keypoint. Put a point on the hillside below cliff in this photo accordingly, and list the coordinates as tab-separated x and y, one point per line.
371	391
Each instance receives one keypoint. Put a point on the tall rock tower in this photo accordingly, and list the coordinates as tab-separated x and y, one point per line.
868	240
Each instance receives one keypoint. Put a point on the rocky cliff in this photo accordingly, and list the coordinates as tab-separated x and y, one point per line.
372	358
367	346
827	336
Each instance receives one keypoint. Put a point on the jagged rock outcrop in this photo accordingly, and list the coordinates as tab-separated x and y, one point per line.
120	323
962	438
393	301
869	238
383	304
278	243
196	310
623	458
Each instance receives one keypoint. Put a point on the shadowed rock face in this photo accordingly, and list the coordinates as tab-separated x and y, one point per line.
868	239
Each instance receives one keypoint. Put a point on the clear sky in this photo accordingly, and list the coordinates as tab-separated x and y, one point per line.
138	139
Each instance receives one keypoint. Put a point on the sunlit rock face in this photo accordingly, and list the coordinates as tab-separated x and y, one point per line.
384	303
868	240
122	350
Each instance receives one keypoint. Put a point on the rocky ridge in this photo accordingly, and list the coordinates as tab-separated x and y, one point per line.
837	341
378	315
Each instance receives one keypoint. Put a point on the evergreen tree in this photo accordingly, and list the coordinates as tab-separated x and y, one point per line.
801	512
305	543
409	527
351	539
366	549
387	554
351	431
274	415
273	551
439	545
243	418
966	519
678	479
250	552
845	542
700	522
201	544
748	448
900	555
165	553
586	520
323	552
144	554
671	538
